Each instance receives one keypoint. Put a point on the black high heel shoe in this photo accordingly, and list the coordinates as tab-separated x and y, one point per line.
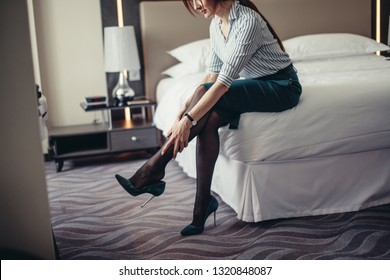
191	229
155	189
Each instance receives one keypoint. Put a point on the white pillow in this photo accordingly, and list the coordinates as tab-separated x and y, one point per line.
181	69
197	53
318	46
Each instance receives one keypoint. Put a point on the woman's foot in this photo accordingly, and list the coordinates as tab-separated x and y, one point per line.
197	226
156	189
146	176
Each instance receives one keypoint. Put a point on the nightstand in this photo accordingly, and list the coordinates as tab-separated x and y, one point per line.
112	136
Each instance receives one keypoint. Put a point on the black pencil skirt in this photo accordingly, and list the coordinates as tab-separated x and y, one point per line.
273	93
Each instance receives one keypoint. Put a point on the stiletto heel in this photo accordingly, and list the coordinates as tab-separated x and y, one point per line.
147	201
155	189
191	229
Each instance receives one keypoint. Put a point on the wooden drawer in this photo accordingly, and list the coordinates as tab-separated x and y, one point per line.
133	139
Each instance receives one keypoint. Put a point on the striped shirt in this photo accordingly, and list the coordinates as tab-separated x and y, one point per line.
249	51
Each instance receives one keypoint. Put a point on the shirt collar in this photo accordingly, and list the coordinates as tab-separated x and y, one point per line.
234	11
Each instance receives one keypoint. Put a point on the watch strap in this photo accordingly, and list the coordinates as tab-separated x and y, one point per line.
189	117
193	122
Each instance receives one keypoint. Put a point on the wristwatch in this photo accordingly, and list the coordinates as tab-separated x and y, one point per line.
193	122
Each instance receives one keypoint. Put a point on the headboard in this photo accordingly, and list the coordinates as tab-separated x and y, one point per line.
167	24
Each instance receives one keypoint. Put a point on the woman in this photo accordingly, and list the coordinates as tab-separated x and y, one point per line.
243	45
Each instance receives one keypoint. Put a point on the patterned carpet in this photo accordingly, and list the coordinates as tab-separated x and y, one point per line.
93	218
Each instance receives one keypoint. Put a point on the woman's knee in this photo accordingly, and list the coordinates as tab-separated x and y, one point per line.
199	92
214	121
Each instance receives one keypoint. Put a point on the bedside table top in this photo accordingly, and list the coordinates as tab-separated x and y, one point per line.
130	104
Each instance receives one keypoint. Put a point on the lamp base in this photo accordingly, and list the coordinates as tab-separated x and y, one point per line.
122	92
121	101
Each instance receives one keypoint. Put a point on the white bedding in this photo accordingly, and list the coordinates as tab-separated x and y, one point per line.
344	108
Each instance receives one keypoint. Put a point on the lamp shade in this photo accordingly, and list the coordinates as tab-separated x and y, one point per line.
120	49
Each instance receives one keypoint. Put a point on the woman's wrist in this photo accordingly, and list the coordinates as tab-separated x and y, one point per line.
187	122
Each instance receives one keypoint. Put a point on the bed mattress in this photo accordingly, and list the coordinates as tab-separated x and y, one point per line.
344	108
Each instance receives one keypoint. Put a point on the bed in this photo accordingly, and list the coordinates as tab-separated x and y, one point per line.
331	153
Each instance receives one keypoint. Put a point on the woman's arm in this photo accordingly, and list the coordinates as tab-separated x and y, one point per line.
208	100
180	131
208	78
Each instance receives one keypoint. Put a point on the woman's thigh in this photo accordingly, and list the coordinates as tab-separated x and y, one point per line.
255	95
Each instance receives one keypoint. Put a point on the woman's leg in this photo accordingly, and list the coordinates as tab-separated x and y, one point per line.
207	151
154	169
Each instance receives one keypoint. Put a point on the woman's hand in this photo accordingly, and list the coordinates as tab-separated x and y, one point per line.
178	136
176	124
181	113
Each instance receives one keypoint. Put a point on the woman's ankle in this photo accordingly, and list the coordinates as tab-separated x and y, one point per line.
145	176
199	212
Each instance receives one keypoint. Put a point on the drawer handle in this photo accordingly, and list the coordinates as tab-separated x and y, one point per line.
133	138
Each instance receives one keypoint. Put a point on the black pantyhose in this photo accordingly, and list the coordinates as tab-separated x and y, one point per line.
207	149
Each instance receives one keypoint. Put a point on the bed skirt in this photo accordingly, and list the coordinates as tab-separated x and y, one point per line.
303	187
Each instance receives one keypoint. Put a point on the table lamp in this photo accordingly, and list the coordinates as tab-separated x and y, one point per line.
121	55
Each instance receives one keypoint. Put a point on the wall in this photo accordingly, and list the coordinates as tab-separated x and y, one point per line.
24	210
70	49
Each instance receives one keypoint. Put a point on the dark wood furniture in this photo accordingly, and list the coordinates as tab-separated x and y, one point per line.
112	136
